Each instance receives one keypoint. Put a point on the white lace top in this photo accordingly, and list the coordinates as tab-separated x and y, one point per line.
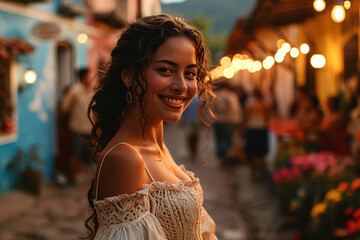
159	211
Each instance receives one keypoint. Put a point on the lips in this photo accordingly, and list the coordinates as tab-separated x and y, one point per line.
173	101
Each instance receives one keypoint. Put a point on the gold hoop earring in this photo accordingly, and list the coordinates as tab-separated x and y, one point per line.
128	97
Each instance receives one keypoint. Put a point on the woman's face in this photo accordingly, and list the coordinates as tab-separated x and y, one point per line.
171	79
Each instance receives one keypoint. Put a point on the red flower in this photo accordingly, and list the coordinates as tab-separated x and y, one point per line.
343	186
355	184
349	211
357	213
352	226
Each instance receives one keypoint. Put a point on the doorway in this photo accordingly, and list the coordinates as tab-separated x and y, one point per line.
65	78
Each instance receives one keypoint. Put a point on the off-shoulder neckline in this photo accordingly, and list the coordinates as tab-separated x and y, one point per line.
157	185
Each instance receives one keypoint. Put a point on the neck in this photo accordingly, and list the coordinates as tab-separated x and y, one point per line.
130	130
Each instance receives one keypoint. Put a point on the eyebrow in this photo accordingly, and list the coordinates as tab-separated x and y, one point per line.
173	63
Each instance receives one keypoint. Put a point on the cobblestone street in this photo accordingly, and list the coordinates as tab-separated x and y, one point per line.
241	209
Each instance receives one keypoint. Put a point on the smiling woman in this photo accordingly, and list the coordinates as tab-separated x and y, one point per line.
157	67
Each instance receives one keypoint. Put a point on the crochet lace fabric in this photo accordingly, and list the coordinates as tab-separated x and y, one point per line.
176	207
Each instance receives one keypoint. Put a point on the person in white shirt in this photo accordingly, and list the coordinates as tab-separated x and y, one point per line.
75	104
229	115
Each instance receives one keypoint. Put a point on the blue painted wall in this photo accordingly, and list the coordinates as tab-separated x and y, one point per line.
36	104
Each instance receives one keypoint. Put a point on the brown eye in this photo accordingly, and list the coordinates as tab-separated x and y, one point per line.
191	74
165	70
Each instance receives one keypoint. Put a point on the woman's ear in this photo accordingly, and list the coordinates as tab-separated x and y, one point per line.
125	76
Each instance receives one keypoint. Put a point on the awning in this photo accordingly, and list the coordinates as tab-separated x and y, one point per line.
12	46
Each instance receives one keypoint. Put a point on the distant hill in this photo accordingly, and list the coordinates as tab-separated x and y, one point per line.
222	13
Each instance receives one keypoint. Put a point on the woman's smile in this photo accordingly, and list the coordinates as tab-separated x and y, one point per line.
175	102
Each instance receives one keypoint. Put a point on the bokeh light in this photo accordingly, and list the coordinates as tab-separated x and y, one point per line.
304	48
30	76
318	61
82	38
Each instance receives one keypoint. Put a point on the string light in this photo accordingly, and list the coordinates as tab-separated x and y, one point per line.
279	58
257	65
304	48
317	61
338	13
225	61
286	47
229	73
281	52
319	5
294	52
230	65
280	42
347	4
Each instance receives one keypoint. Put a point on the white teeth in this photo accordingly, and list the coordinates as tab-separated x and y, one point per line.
173	101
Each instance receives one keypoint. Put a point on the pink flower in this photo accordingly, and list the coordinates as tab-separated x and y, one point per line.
276	178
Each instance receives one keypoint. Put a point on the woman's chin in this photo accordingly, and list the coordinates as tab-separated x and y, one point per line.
172	120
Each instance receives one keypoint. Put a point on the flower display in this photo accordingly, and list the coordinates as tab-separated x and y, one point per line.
315	164
287	127
314	186
333	195
339	211
318	209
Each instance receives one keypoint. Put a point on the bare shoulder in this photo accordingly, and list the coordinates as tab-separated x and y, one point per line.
122	172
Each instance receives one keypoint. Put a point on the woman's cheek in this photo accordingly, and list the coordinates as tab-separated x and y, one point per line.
193	88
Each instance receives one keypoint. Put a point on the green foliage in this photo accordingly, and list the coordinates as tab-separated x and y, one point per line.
215	43
202	23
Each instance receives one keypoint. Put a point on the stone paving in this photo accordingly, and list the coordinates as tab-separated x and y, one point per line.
242	209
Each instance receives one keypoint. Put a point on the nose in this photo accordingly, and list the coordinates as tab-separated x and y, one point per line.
178	83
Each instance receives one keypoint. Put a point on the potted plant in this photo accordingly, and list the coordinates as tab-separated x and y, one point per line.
30	177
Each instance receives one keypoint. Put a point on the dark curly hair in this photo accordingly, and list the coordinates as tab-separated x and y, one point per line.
134	52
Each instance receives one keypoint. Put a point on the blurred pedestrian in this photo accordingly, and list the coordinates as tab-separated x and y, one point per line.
192	127
334	135
256	119
139	192
354	132
298	105
310	122
75	104
229	117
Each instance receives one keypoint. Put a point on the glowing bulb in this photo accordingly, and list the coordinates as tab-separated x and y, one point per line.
281	52
229	73
294	52
30	76
280	42
82	38
267	64
279	58
252	68
319	5
225	61
270	60
304	48
237	56
286	47
257	65
347	4
236	64
247	63
338	14
317	61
